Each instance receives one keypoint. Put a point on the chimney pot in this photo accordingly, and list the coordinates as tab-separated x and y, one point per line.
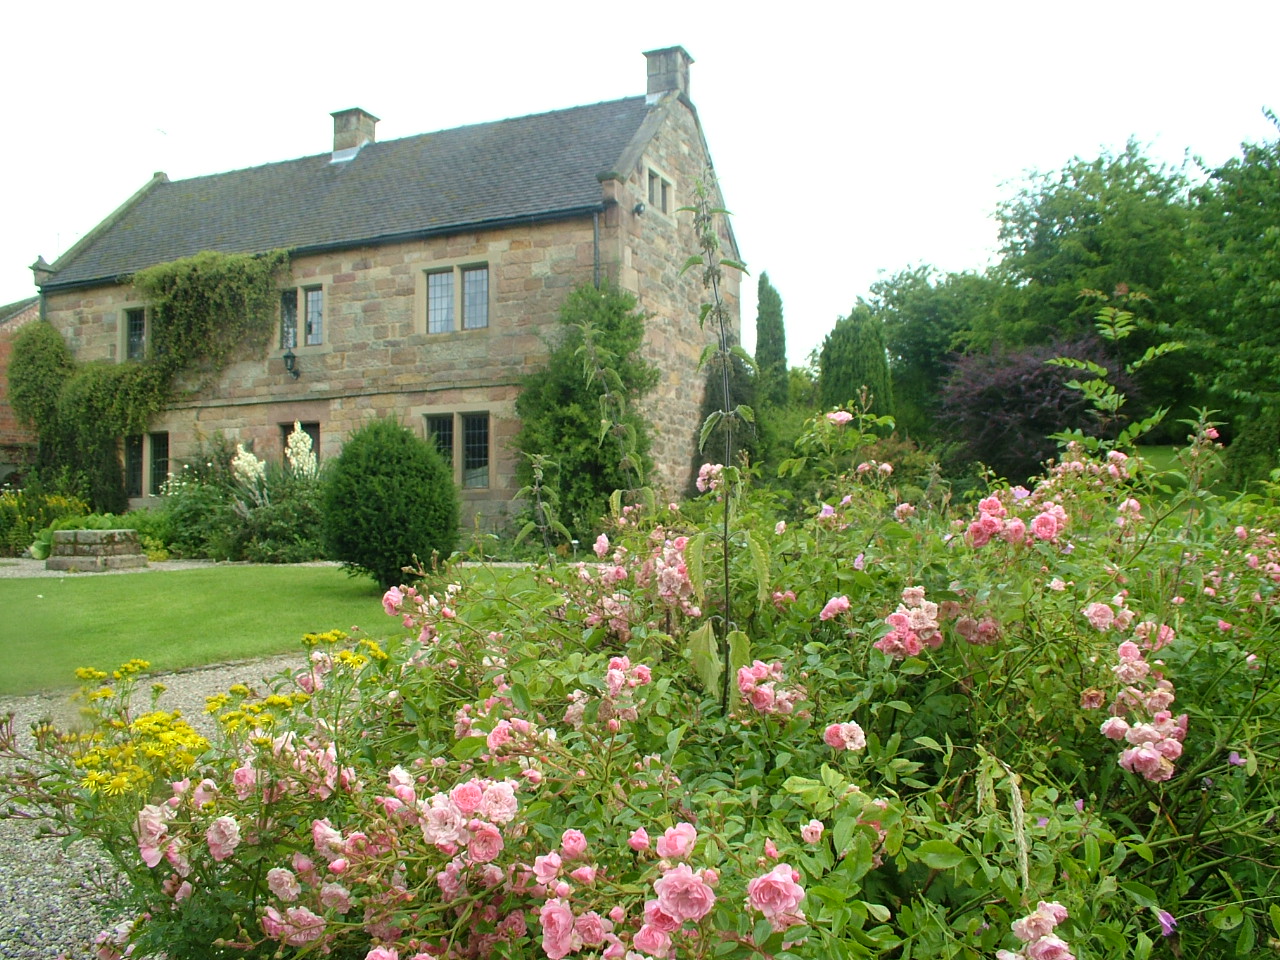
668	71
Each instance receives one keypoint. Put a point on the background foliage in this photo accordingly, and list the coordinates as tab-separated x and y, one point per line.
582	410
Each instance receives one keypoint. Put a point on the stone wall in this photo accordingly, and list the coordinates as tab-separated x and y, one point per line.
91	551
651	247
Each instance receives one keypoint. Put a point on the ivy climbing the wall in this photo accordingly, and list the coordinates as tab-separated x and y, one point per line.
204	312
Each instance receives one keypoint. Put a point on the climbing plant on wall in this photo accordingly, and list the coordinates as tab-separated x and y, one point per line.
204	311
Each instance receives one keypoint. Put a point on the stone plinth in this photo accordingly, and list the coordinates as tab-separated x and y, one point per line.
91	551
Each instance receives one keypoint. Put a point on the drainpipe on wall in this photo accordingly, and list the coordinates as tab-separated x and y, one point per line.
595	239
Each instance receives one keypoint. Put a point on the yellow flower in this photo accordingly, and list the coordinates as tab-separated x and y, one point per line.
94	780
117	785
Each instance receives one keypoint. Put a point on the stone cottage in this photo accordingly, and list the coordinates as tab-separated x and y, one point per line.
426	274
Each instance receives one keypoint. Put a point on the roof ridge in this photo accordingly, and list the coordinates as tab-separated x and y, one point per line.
412	136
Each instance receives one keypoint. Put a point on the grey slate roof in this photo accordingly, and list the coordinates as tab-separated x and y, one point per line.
534	167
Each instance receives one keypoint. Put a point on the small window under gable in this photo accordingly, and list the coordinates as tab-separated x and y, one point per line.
660	194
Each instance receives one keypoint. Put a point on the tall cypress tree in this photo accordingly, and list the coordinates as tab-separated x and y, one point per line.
771	347
854	356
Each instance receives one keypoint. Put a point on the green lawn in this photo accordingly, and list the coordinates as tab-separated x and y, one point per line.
180	618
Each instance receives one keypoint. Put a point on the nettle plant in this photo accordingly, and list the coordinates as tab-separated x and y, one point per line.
1040	726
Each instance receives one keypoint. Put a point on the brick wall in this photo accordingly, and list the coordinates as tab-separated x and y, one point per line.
16	442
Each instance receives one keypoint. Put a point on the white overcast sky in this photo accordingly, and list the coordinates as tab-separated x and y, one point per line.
851	139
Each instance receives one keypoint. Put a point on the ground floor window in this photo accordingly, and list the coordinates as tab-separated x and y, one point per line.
463	439
146	464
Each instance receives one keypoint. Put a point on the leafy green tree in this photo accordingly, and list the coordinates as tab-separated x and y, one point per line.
1231	280
927	317
853	358
1101	224
771	347
597	361
388	498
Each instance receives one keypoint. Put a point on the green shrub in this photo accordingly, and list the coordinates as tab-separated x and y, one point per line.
287	526
387	499
594	373
202	516
24	513
1252	455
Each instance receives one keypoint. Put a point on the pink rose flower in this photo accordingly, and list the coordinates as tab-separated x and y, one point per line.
1114	728
466	796
683	894
677	842
499	803
283	883
391	601
839	417
223	836
811	832
591	928
652	941
557	928
1099	615
656	917
485	843
639	840
844	736
601	545
573	845
1049	948
835	606
546	868
1044	526
382	953
336	897
777	894
152	830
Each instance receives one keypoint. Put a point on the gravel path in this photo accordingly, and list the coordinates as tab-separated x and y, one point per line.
50	899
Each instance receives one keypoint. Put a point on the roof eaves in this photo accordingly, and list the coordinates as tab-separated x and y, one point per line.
497	223
547	216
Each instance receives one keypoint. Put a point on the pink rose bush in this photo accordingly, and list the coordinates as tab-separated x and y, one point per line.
624	759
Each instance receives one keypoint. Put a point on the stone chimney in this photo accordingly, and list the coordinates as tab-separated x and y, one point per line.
668	71
352	129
